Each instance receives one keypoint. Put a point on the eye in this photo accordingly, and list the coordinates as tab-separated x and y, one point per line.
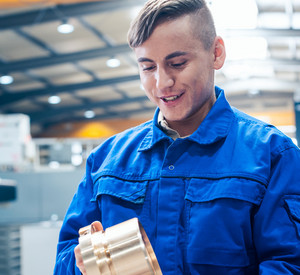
148	68
178	65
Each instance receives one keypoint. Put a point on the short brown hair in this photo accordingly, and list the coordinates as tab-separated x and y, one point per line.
156	12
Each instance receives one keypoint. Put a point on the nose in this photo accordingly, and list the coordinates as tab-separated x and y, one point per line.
164	79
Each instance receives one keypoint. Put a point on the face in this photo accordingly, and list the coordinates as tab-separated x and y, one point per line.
177	73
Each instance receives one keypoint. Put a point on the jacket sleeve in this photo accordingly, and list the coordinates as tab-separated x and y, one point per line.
81	212
276	229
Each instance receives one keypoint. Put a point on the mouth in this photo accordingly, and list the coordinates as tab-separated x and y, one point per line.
171	98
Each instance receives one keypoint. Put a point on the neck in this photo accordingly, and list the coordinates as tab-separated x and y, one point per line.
184	128
189	125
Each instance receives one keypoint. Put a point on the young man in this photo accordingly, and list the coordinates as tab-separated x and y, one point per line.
218	192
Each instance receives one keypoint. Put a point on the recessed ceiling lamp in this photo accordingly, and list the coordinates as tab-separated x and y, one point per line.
54	99
76	160
253	92
54	164
6	79
113	63
89	114
76	148
65	28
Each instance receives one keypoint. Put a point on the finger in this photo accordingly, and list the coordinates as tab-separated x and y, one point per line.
96	226
79	260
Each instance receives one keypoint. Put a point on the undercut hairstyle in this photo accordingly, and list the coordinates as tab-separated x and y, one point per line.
156	12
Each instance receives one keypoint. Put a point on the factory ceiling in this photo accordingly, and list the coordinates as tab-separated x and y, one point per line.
91	74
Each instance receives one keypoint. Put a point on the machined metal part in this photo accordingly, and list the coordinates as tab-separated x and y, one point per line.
121	249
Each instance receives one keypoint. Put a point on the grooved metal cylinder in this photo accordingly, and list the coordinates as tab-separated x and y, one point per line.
121	249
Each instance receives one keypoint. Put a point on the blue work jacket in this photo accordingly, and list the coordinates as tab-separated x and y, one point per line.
225	200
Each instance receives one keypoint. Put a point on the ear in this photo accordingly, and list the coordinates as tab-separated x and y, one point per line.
219	53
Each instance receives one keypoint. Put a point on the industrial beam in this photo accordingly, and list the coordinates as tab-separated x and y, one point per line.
110	115
263	84
51	113
49	14
5	4
39	62
261	32
15	97
268	61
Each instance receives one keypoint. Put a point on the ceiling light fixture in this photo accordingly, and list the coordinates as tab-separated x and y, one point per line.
113	63
54	99
253	92
89	114
54	164
76	160
6	79
65	28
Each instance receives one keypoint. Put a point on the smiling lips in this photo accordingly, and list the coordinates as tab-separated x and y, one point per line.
171	98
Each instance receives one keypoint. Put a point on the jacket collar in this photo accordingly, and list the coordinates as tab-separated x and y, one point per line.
214	127
155	134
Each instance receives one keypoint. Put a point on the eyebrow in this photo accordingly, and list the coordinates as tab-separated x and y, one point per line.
175	54
170	56
144	59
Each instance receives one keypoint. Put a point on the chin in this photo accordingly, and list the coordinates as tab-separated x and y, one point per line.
173	118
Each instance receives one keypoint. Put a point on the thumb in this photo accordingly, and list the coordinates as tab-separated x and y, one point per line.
96	226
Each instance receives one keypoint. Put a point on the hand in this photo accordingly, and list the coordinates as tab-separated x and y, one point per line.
79	261
95	227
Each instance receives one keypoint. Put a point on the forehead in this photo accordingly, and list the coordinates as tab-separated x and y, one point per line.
168	37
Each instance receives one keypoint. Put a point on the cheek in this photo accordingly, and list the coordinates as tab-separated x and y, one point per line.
199	78
147	87
144	79
193	81
150	95
144	82
147	84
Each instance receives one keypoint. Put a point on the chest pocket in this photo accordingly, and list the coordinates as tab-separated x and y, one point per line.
293	208
220	221
119	199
